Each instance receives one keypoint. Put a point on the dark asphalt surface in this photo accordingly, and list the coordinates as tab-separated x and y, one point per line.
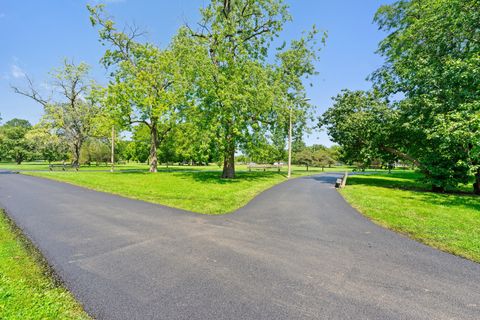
297	251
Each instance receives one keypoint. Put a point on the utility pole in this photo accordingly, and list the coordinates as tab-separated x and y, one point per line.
113	149
290	146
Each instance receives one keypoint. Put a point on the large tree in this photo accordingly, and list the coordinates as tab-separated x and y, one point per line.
146	85
425	106
432	56
237	99
366	127
68	111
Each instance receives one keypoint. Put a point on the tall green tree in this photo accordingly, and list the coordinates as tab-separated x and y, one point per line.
432	54
237	99
146	85
366	127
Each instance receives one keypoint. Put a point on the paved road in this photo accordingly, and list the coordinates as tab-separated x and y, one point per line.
297	251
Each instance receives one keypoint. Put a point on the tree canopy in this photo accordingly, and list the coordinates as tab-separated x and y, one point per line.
425	105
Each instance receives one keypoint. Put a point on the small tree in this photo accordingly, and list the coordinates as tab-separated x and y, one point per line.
304	157
46	145
322	158
73	116
15	145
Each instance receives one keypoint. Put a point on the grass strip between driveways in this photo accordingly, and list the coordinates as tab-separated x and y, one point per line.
198	191
449	222
27	288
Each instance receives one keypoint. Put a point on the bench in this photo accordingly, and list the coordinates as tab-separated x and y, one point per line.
341	182
263	167
64	167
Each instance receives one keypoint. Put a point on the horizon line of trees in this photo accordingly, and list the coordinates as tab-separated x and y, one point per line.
20	141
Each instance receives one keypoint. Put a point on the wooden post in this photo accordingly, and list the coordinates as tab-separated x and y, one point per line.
289	174
344	180
113	149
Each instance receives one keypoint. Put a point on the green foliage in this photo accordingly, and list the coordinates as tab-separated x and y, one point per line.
432	55
431	74
72	116
304	157
47	145
147	83
241	99
96	150
14	144
317	156
365	126
208	94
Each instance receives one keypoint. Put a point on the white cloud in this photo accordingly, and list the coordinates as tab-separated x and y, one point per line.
17	72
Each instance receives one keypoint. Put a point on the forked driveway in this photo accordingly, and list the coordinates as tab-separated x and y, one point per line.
297	251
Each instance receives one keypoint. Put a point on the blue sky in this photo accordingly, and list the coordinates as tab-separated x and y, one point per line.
35	36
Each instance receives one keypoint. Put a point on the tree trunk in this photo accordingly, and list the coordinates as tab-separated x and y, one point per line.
476	184
113	150
229	162
77	147
153	147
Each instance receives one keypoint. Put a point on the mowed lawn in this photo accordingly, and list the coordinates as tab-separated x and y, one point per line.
194	188
450	222
26	289
201	192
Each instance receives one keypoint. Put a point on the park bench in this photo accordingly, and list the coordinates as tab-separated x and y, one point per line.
263	167
341	182
64	167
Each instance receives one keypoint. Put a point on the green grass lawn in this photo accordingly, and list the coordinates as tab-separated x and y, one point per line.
450	222
134	166
26	289
197	190
43	166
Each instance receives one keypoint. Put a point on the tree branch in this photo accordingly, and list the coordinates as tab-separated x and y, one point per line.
31	93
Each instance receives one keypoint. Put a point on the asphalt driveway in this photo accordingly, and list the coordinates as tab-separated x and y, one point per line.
297	251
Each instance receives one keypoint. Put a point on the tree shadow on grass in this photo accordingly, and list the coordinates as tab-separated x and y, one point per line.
215	177
385	182
404	181
452	198
211	176
453	201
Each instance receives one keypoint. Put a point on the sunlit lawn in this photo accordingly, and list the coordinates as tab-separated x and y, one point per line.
26	289
134	166
450	222
197	189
